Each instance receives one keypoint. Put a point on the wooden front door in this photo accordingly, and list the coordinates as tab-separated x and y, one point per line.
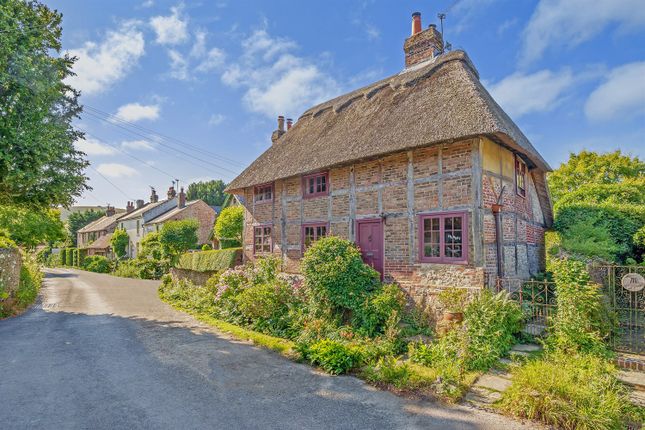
369	238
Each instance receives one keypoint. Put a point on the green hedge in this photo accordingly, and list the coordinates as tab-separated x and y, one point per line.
209	261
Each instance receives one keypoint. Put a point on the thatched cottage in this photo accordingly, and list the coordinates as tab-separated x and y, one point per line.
423	170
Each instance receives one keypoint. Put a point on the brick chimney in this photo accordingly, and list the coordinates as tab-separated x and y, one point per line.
422	44
129	207
154	198
280	131
139	203
289	124
110	211
171	193
182	198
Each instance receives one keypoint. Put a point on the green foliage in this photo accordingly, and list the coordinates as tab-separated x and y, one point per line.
593	168
388	370
200	298
39	165
628	192
177	237
333	356
119	242
142	268
206	247
447	355
568	391
126	269
30	227
209	261
97	263
491	322
582	320
6	242
211	192
336	277
453	299
78	220
151	247
371	318
229	225
31	278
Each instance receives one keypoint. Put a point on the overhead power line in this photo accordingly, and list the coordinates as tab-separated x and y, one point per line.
112	183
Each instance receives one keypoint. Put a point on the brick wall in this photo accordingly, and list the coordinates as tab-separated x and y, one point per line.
399	188
204	214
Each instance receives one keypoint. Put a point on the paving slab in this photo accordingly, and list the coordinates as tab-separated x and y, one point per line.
493	382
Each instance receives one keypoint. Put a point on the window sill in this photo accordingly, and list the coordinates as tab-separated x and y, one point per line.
313	196
444	262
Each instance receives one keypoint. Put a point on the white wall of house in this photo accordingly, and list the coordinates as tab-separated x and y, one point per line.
135	227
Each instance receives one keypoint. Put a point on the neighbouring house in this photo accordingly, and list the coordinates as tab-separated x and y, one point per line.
423	170
195	209
95	237
143	212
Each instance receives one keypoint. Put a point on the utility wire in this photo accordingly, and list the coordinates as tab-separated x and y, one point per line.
162	144
165	137
111	183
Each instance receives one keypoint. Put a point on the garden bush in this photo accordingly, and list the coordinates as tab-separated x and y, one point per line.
337	279
569	391
333	356
200	298
206	247
371	318
142	268
31	278
97	263
209	261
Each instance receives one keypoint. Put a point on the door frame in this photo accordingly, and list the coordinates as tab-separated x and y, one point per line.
357	230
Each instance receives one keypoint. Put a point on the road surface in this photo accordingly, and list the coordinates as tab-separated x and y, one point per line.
100	352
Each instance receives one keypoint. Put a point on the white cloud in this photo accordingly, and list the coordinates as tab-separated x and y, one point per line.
213	60
199	47
92	146
171	29
137	145
136	112
372	32
216	119
116	170
178	65
622	94
99	65
275	80
568	23
520	94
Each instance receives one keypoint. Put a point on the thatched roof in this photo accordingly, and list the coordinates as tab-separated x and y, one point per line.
440	100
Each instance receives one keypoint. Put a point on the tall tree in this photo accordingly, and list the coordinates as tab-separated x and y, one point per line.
212	192
177	237
29	227
78	220
39	165
229	226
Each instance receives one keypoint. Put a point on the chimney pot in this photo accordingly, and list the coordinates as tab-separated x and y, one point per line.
416	23
154	198
275	136
281	123
289	123
182	198
171	193
139	204
129	207
110	211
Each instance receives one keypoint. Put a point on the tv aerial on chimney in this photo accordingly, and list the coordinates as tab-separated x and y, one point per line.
446	45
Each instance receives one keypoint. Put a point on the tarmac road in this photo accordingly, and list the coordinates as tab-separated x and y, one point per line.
101	352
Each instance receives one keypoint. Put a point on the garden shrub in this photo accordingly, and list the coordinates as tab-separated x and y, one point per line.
126	269
371	318
200	298
569	391
119	242
453	299
582	320
97	263
336	277
333	356
447	355
209	261
142	268
31	278
388	370
54	260
151	247
490	322
206	247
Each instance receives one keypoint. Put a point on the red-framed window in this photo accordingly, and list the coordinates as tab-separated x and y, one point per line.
520	177
443	237
263	193
315	185
262	242
311	232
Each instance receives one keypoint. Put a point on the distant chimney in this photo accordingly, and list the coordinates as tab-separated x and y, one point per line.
289	123
280	131
416	23
154	198
182	198
171	193
110	211
139	204
422	45
129	208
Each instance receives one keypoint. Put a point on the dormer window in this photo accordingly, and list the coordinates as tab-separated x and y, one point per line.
263	193
520	177
315	185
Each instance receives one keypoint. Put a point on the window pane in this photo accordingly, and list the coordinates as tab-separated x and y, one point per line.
456	251
434	238
435	224
456	223
447	224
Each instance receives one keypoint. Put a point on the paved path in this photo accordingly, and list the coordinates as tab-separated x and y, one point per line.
101	352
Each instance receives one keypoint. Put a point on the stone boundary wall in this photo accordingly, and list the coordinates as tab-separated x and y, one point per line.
10	264
197	278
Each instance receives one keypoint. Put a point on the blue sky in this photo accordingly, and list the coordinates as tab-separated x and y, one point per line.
191	90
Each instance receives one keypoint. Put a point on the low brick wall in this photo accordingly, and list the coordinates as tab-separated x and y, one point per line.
10	264
197	278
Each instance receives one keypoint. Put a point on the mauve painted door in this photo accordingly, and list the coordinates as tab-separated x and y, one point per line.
369	238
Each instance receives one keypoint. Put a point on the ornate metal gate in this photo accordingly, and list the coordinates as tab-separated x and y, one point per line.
624	286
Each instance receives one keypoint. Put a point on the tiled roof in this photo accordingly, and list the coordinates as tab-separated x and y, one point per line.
102	223
171	213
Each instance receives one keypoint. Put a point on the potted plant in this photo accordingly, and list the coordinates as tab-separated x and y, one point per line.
453	301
